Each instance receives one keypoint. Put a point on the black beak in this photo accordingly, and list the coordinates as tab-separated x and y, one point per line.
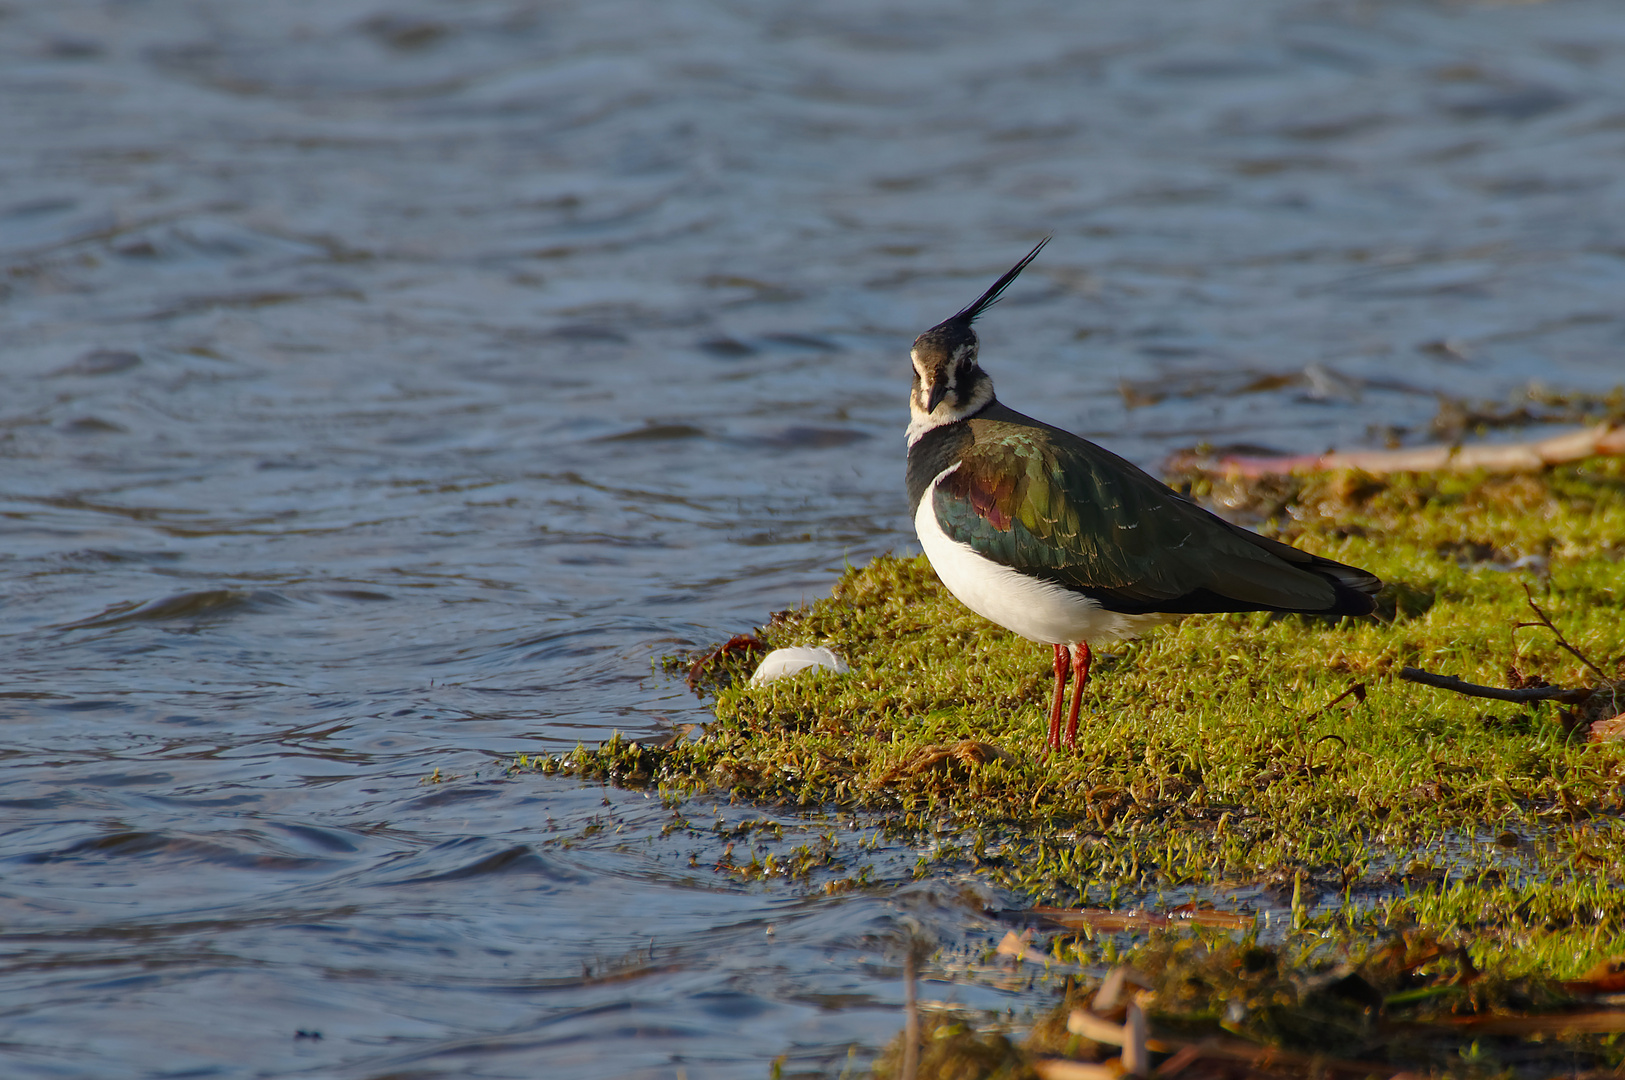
939	390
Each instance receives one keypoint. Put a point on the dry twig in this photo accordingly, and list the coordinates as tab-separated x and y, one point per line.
911	1019
1546	621
1532	693
1101	919
1601	440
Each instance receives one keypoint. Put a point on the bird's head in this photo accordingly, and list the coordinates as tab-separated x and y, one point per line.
949	385
946	374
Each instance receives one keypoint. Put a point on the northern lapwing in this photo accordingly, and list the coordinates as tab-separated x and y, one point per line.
1065	543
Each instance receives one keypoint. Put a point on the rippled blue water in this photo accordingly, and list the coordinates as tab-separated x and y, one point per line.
382	385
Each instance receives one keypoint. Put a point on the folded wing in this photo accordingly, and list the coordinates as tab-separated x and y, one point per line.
1047	503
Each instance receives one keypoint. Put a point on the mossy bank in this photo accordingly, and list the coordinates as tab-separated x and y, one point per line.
1244	759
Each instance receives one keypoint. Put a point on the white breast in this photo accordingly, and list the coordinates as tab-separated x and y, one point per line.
1037	610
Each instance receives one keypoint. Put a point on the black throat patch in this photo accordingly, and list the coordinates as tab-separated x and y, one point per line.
935	451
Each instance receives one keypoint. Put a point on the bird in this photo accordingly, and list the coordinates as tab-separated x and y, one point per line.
1063	542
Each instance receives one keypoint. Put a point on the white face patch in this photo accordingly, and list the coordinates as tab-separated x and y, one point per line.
950	410
950	376
931	375
927	375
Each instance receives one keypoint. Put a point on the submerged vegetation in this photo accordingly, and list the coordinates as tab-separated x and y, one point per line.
1245	760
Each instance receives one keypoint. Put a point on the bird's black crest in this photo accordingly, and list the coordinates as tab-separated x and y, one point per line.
991	297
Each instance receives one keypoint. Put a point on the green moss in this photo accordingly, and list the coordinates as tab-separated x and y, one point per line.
1211	759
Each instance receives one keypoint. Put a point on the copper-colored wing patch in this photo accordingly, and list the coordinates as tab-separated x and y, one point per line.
992	497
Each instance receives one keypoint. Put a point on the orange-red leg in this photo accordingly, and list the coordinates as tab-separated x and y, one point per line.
1080	668
1062	670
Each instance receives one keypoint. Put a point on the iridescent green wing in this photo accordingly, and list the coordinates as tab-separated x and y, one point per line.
1047	503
